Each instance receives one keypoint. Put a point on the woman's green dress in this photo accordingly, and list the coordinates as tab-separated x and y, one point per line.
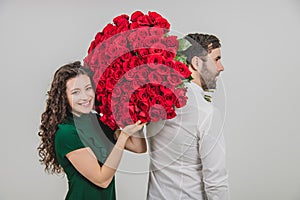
80	132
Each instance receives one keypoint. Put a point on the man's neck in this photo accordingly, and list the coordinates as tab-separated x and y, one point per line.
197	81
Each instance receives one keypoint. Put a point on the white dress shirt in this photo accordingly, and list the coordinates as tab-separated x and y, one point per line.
187	153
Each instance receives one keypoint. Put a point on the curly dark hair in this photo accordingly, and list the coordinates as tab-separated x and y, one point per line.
201	45
57	109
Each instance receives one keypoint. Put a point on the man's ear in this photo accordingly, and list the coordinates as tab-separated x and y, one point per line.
196	63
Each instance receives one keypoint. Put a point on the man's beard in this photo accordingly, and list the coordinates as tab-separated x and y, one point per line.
208	80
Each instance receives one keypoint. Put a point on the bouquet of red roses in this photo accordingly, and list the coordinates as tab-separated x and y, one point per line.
137	73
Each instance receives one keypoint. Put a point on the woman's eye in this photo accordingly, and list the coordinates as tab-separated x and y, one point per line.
75	92
89	88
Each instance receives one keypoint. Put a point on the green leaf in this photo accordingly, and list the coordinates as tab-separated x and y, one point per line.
183	44
181	58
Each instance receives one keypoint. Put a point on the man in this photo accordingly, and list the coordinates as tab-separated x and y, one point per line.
187	153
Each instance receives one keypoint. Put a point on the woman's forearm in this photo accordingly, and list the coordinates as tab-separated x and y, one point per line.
85	161
111	164
137	143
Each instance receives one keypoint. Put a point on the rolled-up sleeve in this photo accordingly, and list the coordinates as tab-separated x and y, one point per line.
212	155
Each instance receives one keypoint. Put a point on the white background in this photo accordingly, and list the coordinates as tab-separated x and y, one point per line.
260	53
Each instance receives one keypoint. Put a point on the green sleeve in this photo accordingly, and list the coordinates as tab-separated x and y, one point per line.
66	140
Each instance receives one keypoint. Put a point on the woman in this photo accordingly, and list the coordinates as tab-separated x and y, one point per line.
75	141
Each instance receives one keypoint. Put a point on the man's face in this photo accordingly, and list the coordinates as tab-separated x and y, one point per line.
211	69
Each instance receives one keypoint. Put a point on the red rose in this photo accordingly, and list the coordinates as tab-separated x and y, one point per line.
131	63
125	86
124	98
144	21
162	23
157	48
136	44
98	99
163	70
125	56
118	74
112	124
124	26
98	37
168	55
134	25
103	60
110	83
182	69
143	52
109	29
106	100
171	41
181	101
169	100
117	65
154	15
157	112
143	116
100	88
142	95
130	75
142	33
112	49
97	76
143	105
120	40
127	121
136	83
132	36
136	15
135	61
151	89
120	19
107	73
142	73
158	100
133	98
169	63
180	92
92	46
151	40
155	77
153	60
105	109
174	78
156	31
115	107
127	66
168	85
171	113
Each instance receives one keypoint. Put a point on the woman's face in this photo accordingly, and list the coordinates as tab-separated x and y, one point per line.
80	94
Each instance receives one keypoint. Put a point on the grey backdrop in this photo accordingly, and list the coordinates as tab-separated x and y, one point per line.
260	53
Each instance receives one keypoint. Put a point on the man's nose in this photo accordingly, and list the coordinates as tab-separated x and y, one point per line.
220	67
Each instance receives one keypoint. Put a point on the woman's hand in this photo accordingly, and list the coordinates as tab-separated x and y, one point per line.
134	143
129	130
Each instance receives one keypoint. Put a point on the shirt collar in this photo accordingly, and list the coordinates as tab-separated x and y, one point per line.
197	87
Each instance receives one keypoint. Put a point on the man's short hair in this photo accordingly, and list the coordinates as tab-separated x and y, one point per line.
201	44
